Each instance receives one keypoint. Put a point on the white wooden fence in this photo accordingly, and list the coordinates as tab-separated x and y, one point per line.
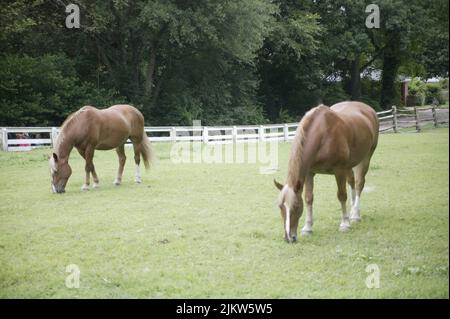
27	138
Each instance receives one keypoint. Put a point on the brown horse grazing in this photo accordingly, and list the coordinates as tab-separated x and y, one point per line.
339	140
90	129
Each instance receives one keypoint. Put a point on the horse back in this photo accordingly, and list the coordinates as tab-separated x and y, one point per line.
348	133
361	120
109	128
360	126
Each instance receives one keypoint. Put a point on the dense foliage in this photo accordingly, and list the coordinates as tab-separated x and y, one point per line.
224	62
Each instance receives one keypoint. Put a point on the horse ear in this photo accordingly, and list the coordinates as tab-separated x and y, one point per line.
55	157
278	185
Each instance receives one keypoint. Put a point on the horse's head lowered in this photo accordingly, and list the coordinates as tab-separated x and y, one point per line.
60	172
291	207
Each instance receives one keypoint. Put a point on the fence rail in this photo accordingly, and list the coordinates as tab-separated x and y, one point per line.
27	138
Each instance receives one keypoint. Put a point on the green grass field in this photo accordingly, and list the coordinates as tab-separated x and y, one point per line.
213	230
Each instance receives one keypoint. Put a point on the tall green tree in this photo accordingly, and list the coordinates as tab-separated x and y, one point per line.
345	49
434	57
287	66
403	26
224	62
154	49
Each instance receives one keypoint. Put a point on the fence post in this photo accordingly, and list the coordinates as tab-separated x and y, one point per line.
205	134
53	136
173	134
394	118
261	133
433	111
234	133
4	139
286	132
416	115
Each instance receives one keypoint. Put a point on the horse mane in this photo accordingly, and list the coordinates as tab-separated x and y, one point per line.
296	159
70	119
67	124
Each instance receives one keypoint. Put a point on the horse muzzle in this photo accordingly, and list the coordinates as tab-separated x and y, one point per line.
58	189
290	239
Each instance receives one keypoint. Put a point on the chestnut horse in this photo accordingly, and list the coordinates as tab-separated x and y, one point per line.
338	140
90	129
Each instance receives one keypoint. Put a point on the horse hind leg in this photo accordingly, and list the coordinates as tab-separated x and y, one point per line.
360	179
351	183
122	159
342	196
137	160
85	186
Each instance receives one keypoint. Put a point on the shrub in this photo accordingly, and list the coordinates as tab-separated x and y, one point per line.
433	93
417	89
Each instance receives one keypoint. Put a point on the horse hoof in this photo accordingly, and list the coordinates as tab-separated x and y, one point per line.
355	220
116	182
137	181
344	228
85	187
306	233
96	185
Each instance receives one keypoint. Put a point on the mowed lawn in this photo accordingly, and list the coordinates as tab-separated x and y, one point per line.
214	231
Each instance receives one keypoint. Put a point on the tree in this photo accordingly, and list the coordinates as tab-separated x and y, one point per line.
166	57
434	57
345	49
44	90
403	26
224	62
286	64
155	49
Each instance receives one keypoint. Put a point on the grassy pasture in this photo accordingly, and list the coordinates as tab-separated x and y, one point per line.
213	230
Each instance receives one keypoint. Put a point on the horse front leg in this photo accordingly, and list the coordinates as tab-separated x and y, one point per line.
342	196
85	186
309	197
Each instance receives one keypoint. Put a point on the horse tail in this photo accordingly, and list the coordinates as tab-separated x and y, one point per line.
146	150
